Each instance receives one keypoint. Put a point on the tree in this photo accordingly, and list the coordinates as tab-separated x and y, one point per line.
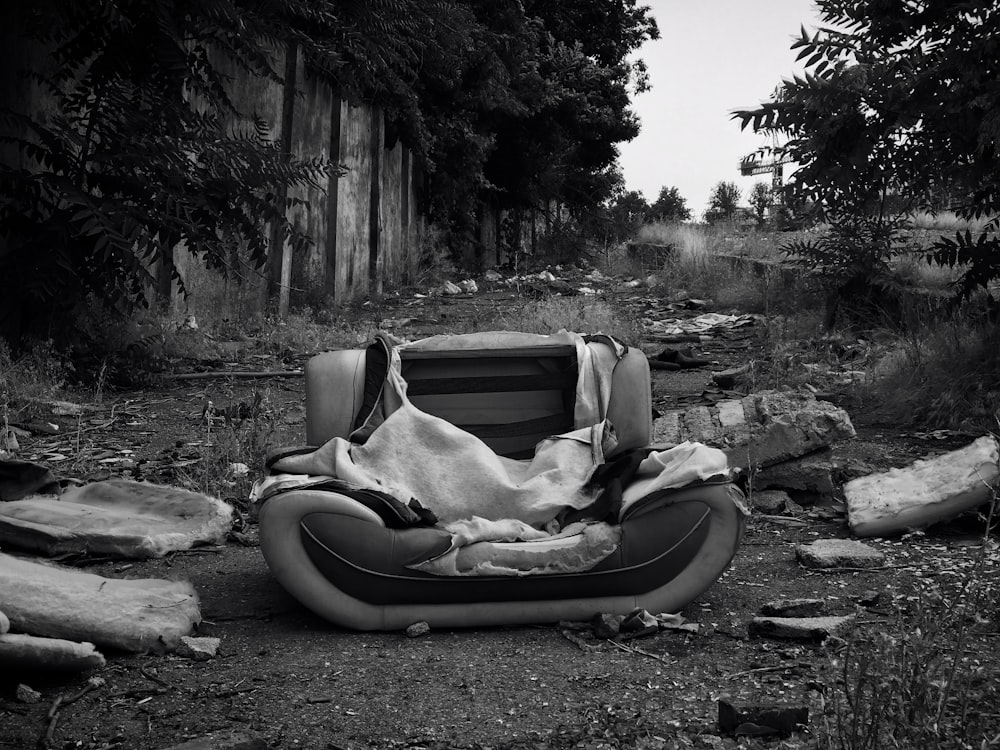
896	110
670	206
760	200
723	202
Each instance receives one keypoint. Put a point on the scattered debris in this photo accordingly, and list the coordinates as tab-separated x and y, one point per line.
197	648
225	740
812	473
839	553
817	628
757	721
703	325
794	608
758	430
27	694
927	491
418	629
64	700
769	501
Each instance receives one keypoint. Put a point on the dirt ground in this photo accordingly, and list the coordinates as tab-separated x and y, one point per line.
287	679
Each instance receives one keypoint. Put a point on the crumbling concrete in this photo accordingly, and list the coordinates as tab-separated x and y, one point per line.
758	430
800	628
838	553
927	491
812	473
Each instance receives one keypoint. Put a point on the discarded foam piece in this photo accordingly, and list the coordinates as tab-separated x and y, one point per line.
800	628
758	430
115	517
925	492
22	651
839	553
4	623
138	615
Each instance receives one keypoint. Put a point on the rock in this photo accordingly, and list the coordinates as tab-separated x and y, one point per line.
27	694
769	501
198	649
224	740
758	430
418	629
800	628
137	615
4	623
469	286
733	376
20	651
927	491
838	553
810	473
794	608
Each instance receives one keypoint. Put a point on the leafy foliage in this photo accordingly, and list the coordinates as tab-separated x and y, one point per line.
670	205
723	202
760	201
143	150
898	110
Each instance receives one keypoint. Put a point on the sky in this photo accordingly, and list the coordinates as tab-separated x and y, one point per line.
713	56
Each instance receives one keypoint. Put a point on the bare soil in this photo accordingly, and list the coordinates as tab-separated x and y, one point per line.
289	679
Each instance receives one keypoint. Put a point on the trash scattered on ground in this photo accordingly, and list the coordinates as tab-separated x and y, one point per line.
757	721
703	325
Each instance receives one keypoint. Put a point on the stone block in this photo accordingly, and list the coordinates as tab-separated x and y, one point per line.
810	473
758	430
838	553
800	628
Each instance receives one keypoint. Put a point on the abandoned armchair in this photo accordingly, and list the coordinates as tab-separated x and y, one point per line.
491	479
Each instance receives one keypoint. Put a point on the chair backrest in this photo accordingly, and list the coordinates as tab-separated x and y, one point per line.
509	398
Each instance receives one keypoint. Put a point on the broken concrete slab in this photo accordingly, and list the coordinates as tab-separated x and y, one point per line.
21	651
838	553
811	473
115	517
138	615
794	608
925	492
758	430
198	648
800	628
769	501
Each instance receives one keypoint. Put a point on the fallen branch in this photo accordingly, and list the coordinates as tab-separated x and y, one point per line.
45	741
636	650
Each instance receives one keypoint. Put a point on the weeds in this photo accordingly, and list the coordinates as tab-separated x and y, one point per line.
917	685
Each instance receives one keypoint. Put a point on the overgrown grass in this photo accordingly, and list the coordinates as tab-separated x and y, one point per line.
927	679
